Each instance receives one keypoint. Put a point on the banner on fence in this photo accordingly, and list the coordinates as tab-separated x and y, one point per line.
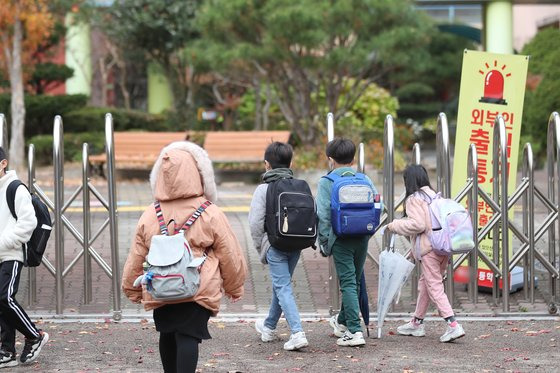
491	84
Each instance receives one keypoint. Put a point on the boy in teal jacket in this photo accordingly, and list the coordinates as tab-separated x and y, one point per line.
349	253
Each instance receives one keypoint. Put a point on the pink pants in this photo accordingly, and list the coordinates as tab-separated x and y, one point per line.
430	286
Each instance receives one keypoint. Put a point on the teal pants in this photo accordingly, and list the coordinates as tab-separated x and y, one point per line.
349	255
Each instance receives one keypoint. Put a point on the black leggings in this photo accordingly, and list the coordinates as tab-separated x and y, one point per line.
179	352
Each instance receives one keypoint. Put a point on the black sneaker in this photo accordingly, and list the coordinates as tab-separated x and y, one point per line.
33	347
7	359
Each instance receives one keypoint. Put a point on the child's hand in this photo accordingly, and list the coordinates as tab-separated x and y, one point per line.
381	230
235	299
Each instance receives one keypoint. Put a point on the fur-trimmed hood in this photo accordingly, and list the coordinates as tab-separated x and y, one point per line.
183	170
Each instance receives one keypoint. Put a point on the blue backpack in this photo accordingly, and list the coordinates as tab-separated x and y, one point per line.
355	205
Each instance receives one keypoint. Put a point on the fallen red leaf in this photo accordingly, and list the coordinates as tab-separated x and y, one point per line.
218	354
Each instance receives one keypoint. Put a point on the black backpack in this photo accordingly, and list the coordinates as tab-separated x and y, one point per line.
33	250
291	215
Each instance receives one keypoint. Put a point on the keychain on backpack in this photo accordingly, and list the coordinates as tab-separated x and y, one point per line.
285	224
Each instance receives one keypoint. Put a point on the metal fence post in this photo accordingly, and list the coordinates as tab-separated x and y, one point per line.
528	172
58	161
88	292
334	287
113	215
444	184
361	158
500	174
32	293
416	154
472	202
388	173
553	166
4	139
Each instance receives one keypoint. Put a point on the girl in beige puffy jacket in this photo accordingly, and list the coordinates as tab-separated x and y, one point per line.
181	180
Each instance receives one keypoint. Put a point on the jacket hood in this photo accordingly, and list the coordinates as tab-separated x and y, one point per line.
8	178
183	170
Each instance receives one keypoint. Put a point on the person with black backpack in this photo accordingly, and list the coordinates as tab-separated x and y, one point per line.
14	235
283	221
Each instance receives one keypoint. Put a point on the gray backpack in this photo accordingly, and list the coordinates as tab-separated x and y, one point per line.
171	271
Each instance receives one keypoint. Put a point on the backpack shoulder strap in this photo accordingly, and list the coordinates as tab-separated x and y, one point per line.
333	176
11	196
161	220
190	221
360	175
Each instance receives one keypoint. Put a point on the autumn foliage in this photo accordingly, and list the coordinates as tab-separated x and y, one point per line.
37	24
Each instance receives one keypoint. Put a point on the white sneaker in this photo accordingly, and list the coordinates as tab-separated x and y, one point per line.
7	359
338	329
349	339
452	333
413	329
267	334
296	342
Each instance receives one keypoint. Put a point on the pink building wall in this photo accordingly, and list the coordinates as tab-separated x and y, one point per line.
527	19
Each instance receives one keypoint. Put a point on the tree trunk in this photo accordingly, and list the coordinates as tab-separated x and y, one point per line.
266	108
258	104
17	141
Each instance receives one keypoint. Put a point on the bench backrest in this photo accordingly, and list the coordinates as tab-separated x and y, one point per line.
144	144
241	146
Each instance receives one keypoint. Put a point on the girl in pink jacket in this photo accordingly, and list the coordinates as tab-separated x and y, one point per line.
417	223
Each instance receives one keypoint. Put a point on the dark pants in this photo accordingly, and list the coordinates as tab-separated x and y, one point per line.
349	255
179	352
12	315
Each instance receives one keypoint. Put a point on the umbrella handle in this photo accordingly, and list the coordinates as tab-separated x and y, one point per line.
392	242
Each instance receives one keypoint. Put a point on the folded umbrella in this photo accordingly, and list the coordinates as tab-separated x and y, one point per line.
394	271
364	302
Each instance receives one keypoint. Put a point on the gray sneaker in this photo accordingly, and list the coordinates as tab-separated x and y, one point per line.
267	334
338	329
452	333
413	329
296	341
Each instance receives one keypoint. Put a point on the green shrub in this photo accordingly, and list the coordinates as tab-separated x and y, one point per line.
543	94
73	143
40	110
89	119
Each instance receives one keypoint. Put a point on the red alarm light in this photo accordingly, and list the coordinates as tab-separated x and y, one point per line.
494	88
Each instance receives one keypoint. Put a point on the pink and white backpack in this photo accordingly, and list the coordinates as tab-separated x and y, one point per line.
452	229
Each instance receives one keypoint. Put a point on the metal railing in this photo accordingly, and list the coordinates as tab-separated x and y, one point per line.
499	225
553	168
59	206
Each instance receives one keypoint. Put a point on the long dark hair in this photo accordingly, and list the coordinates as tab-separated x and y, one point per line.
415	177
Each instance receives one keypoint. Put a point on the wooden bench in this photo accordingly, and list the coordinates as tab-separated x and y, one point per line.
136	150
241	146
